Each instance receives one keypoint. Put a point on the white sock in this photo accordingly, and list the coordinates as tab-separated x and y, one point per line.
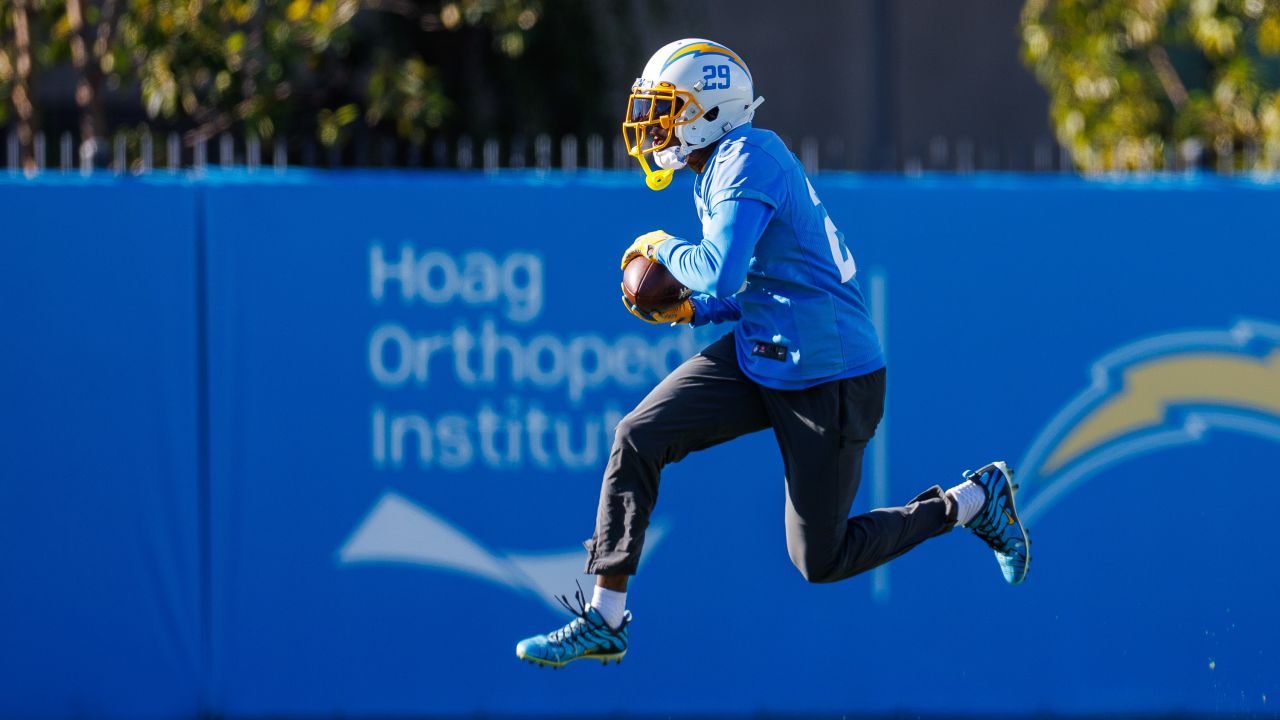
969	498
611	605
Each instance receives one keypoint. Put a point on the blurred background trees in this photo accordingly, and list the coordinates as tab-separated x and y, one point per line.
871	84
273	67
1132	83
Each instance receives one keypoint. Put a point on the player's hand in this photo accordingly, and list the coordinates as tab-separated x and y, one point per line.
681	315
645	245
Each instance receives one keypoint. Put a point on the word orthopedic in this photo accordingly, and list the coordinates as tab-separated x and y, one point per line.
528	391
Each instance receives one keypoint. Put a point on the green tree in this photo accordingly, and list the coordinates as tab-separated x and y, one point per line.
258	65
1131	82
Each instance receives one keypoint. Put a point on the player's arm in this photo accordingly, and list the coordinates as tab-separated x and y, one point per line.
710	310
717	265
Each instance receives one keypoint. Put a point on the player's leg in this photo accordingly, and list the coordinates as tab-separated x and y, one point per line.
822	432
706	401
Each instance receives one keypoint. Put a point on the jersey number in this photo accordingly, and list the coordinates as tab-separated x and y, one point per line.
709	75
839	253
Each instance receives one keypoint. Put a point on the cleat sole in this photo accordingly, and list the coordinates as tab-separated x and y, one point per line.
1026	534
603	659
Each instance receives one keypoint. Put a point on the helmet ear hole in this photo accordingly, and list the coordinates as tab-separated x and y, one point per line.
712	114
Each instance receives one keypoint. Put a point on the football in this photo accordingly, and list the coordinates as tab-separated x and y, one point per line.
651	287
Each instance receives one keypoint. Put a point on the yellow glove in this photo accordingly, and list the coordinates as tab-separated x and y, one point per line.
682	314
645	245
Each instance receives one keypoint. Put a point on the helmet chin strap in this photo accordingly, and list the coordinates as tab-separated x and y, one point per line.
656	179
745	117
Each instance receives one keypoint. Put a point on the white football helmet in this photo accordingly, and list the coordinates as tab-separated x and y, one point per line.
692	92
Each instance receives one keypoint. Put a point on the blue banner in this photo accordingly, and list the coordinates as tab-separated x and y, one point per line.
411	382
99	524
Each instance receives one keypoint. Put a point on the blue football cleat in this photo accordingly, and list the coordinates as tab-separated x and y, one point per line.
586	637
997	522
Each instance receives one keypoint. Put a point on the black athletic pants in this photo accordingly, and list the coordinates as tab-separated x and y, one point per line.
821	431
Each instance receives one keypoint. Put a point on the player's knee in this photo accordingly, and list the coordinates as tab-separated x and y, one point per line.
632	434
816	572
814	565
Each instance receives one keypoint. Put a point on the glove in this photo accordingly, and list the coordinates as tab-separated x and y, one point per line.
681	314
645	245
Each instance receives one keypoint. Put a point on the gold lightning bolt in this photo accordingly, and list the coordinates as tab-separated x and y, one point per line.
1208	378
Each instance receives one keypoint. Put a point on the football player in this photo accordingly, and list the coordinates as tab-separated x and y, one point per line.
803	359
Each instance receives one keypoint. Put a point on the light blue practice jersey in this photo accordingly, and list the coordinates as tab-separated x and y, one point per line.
772	259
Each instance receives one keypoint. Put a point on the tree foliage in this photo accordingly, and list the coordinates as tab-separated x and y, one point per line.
1132	82
258	65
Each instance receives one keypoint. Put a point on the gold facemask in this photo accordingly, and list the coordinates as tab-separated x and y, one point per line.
653	113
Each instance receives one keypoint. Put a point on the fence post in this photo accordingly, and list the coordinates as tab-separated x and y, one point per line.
38	149
964	156
1042	157
148	152
489	155
119	163
226	150
1146	157
1192	152
173	151
542	152
64	152
252	151
465	153
595	152
86	151
279	153
13	151
569	153
809	154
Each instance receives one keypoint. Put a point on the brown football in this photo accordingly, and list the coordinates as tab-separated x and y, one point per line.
651	287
